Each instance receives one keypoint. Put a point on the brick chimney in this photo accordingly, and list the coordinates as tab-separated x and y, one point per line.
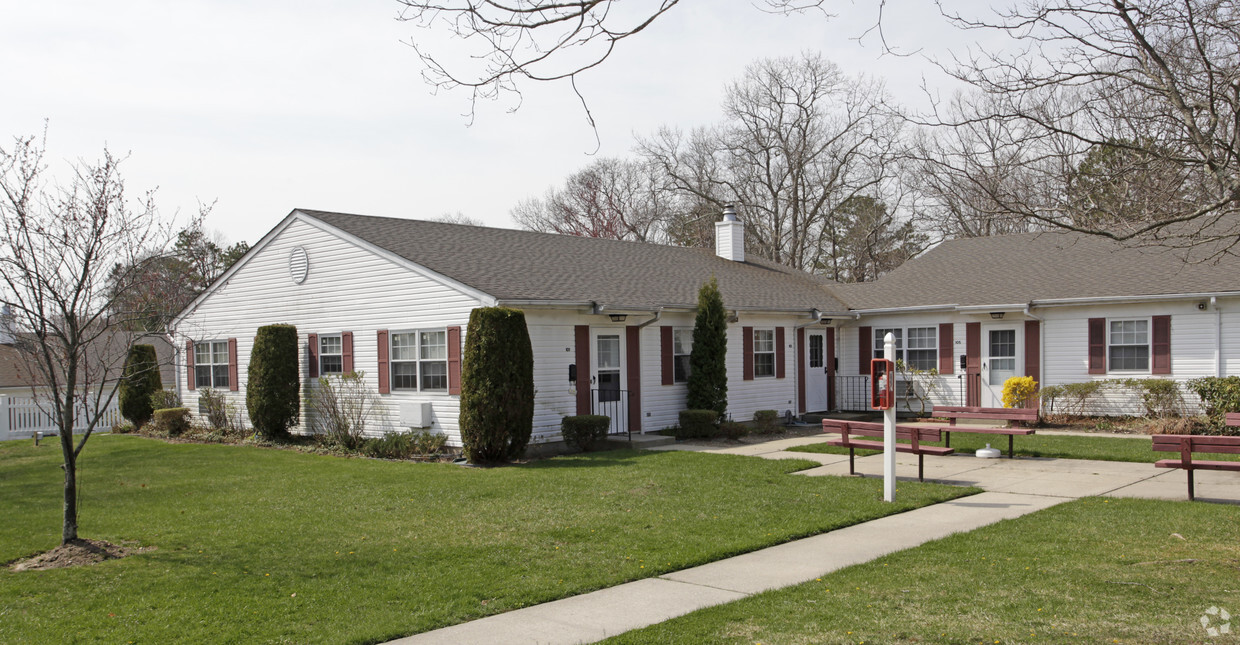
730	236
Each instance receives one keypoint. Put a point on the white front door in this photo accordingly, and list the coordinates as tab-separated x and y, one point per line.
1002	359
608	395
816	371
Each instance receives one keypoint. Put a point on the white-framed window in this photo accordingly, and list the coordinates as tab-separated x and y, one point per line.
211	364
763	352
1128	345
331	355
419	360
921	351
682	347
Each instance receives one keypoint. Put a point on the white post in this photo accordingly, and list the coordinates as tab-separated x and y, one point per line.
889	427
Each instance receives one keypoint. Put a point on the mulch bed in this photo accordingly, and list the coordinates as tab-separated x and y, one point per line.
75	553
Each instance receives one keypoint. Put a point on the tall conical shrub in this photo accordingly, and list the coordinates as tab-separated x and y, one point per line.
708	370
274	381
497	386
139	380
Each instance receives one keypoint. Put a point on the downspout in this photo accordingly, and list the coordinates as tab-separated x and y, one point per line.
817	318
658	313
1218	337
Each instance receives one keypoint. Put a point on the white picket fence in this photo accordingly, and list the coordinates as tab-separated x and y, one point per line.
21	417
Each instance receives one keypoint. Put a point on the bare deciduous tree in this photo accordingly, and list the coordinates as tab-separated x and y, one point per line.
1151	85
60	245
800	140
611	198
502	43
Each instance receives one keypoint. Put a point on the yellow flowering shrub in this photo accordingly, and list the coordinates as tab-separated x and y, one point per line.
1018	390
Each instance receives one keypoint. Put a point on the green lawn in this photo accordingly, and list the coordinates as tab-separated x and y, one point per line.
1135	449
260	545
1089	571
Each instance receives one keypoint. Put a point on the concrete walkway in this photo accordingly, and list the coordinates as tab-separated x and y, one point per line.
1013	488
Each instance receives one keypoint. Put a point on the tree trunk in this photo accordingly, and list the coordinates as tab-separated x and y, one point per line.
70	529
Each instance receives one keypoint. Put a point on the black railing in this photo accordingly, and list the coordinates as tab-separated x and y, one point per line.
613	404
852	393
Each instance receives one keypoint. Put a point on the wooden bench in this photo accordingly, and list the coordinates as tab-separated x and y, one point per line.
1014	416
912	434
1186	445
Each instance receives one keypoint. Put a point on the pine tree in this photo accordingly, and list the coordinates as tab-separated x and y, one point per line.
497	386
708	370
273	388
139	380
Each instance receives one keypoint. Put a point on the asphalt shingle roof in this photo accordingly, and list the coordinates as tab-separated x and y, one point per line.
1031	267
525	265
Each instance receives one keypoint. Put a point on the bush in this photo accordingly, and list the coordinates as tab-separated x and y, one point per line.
1069	398
123	427
405	445
340	407
1161	396
1019	391
164	399
708	370
216	406
139	380
586	430
733	430
497	386
695	424
766	421
172	421
1219	395
272	395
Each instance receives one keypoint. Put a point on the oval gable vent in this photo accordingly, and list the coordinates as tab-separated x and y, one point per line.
298	265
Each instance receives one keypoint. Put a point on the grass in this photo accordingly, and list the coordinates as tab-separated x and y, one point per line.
1134	449
260	545
1090	571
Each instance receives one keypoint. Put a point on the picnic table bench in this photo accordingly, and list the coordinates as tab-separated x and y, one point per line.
913	434
1186	445
1014	416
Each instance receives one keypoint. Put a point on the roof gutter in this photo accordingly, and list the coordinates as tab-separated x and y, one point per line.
1067	302
818	317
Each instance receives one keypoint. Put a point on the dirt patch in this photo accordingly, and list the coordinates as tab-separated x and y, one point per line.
75	553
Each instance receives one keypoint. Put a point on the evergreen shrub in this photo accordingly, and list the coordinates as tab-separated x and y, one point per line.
139	380
698	424
585	431
497	386
273	392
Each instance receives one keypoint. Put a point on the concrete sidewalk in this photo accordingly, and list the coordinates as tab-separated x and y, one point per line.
1013	488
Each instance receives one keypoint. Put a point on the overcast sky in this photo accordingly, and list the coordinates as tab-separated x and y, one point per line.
262	107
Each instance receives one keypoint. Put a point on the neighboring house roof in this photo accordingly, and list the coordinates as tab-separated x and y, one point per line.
516	265
1048	266
15	372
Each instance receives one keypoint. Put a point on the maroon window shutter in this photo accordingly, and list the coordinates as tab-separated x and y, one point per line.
666	356
1033	350
385	386
779	352
233	383
581	334
865	349
454	360
312	359
1097	346
973	364
830	368
947	340
189	366
346	351
633	350
1160	359
800	369
747	347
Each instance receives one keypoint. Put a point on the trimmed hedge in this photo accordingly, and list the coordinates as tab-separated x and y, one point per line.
708	370
585	430
172	421
273	393
697	424
139	380
497	386
766	421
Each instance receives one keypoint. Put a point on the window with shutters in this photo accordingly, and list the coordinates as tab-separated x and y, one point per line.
763	352
419	360
682	346
331	355
211	363
1128	345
